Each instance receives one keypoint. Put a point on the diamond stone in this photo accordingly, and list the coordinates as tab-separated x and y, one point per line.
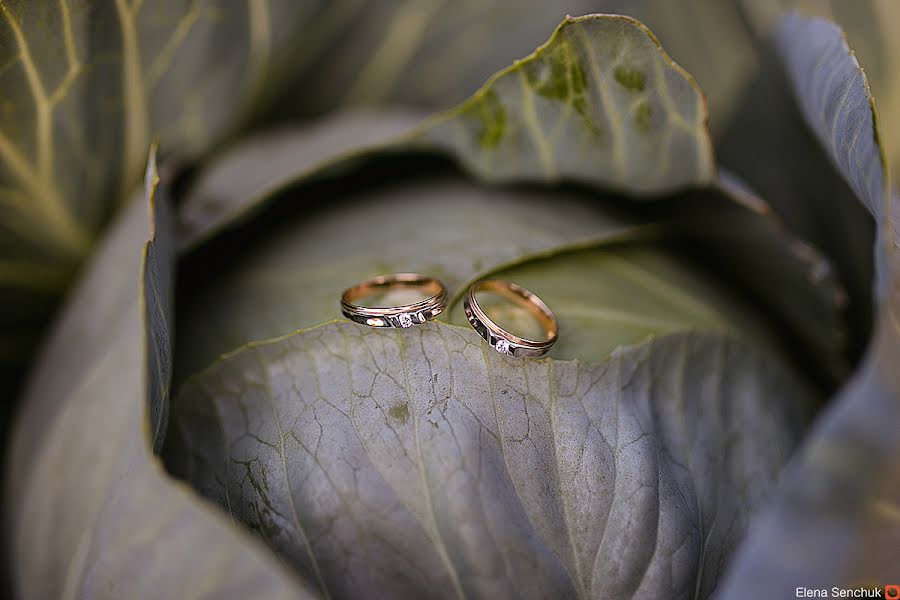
502	347
405	320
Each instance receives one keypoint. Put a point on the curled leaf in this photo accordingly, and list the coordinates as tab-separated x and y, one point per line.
842	488
86	501
86	88
599	102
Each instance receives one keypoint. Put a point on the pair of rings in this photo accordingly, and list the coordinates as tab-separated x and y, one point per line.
417	313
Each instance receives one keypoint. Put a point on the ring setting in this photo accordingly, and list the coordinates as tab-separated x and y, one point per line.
403	316
498	338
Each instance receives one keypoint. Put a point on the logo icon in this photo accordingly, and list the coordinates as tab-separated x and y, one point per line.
892	592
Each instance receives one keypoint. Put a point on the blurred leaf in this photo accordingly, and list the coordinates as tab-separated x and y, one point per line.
89	511
834	97
428	53
734	231
420	463
435	54
86	87
833	521
870	29
770	147
709	38
236	182
599	102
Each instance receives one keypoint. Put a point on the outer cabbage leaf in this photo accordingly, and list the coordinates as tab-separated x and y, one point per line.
870	31
86	88
89	511
412	463
834	519
769	146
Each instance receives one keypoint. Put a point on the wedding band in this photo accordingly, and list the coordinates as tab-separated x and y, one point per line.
503	341
404	316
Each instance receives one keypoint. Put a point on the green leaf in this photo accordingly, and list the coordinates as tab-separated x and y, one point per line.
86	87
834	519
734	231
769	146
870	30
293	274
599	102
435	54
419	462
834	97
237	182
89	511
709	38
157	297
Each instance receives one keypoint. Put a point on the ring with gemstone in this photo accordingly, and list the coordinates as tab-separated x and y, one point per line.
501	340
405	315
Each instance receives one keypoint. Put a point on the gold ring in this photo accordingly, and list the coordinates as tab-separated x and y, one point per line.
405	315
503	341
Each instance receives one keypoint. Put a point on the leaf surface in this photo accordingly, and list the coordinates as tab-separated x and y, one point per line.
418	462
288	272
599	102
89	511
619	294
279	260
292	276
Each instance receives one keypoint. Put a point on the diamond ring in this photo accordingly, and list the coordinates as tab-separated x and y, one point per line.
405	315
501	340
